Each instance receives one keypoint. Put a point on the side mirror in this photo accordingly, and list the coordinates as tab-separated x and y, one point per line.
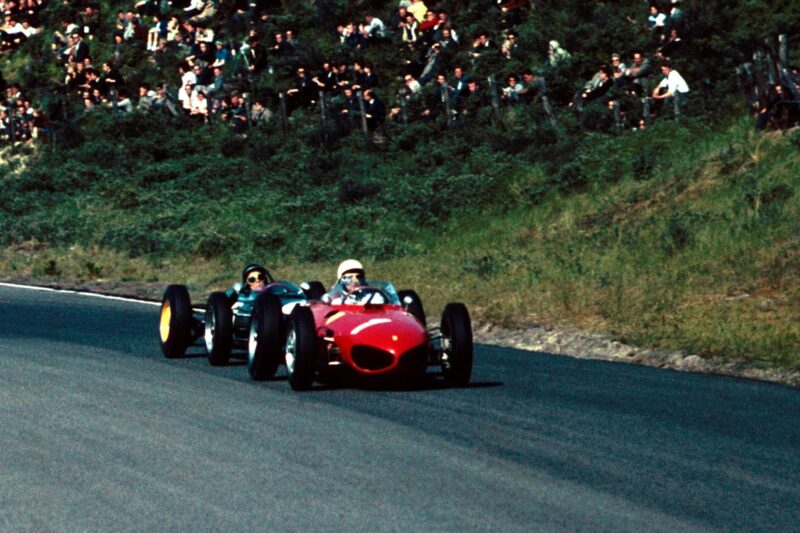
326	298
407	300
237	287
305	286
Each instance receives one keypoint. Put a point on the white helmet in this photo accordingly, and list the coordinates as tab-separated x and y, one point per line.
349	265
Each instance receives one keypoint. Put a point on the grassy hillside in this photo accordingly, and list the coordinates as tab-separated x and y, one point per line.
680	236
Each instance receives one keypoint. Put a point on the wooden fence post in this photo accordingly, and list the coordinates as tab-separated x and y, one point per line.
617	115
361	107
446	101
783	50
284	114
648	118
322	113
495	100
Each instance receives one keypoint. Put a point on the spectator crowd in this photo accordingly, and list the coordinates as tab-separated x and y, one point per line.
224	52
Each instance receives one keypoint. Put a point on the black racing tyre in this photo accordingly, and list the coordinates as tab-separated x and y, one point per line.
265	342
218	328
315	290
457	336
415	308
175	327
301	348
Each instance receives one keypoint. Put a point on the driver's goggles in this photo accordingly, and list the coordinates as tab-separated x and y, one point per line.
256	277
352	278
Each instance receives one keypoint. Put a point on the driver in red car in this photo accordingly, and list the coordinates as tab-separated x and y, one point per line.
350	275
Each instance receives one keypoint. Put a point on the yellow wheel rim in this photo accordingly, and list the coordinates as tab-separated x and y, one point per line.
166	315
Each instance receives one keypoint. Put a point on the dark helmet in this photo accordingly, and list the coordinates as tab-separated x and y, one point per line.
255	267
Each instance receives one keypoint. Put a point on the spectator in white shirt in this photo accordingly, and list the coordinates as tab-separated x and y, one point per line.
673	84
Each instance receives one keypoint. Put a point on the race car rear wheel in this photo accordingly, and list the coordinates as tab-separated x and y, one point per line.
264	342
456	356
415	307
301	348
218	329
175	326
314	291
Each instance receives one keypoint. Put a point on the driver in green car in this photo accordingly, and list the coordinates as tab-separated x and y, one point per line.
255	277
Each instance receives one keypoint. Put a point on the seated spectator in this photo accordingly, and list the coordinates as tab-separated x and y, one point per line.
472	100
239	117
291	42
373	29
412	86
481	45
185	97
156	32
510	47
638	74
365	77
533	86
217	84
556	54
198	105
122	102
222	55
598	93
657	22
676	19
618	70
163	102
510	93
146	97
410	30
513	11
260	115
672	46
673	86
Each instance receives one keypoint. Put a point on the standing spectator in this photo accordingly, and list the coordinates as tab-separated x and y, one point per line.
374	110
80	50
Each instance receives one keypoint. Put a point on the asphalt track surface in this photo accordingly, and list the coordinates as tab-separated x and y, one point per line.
99	432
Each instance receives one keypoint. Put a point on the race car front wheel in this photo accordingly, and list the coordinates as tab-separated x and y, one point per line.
301	348
218	329
456	345
175	326
264	343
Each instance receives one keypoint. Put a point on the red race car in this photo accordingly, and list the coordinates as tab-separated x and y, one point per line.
371	331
